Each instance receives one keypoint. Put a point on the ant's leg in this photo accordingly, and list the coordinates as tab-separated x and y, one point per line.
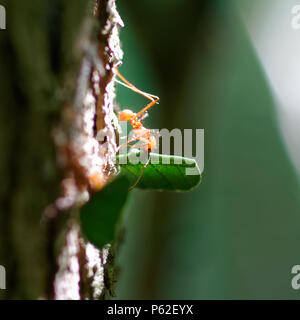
143	117
145	94
132	140
141	174
126	144
140	137
151	104
154	99
134	88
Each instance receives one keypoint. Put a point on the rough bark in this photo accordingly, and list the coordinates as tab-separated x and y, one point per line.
57	136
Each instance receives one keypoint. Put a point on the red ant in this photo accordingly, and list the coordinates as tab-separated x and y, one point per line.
140	132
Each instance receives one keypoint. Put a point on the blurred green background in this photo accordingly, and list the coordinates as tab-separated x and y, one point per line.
238	234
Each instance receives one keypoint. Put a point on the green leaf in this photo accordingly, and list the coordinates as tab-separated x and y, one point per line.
163	173
99	217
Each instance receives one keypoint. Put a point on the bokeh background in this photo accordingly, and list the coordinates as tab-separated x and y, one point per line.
233	68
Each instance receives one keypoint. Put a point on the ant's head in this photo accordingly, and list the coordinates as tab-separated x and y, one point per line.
126	115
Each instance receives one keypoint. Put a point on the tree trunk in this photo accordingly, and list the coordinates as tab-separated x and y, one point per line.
57	136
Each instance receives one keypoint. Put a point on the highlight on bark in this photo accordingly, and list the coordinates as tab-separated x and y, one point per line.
86	149
88	161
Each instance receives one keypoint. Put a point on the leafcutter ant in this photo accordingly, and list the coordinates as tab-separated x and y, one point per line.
140	133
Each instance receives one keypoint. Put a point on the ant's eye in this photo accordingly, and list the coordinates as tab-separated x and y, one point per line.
126	115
